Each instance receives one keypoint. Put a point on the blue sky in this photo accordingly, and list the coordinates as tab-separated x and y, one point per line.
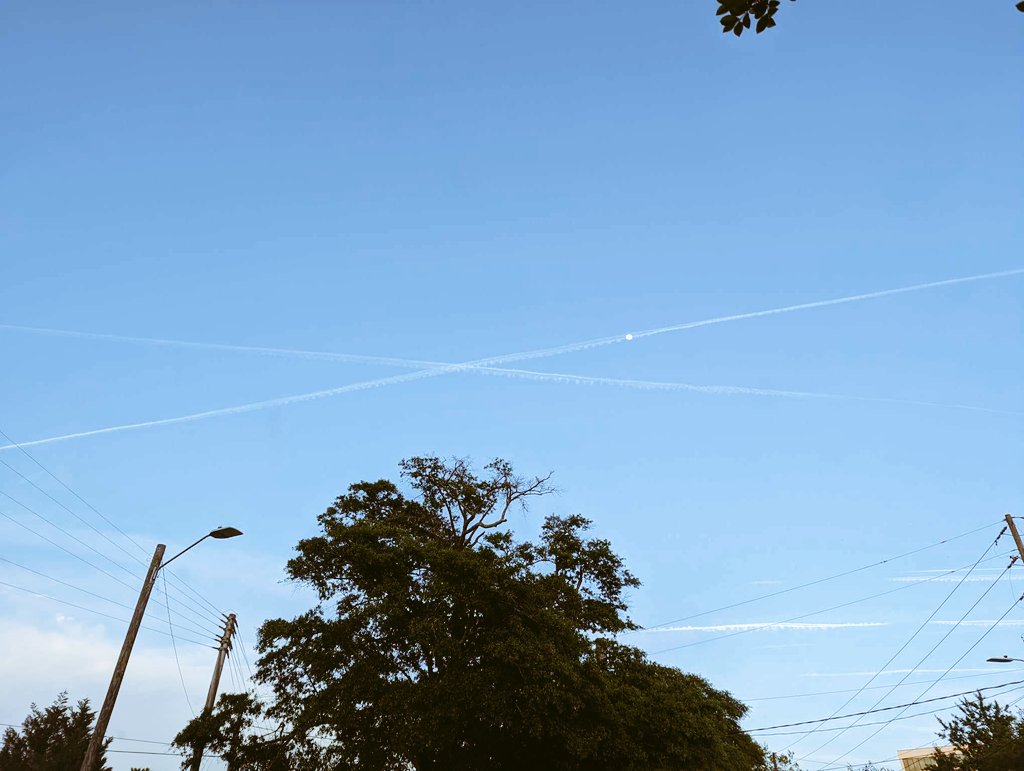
460	181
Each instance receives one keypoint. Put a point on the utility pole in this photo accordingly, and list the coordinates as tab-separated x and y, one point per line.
1016	536
103	718
230	627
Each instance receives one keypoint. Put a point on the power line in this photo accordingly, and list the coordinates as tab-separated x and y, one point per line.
50	541
886	722
934	648
816	612
81	519
100	514
67	487
65	583
174	647
85	591
917	631
820	580
92	610
878	687
80	541
885	709
69	534
93	565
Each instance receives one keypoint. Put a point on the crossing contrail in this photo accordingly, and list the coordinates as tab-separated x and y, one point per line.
557	377
520	356
486	365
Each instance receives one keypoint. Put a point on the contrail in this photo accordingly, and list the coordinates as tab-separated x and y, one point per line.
520	356
557	377
836	301
486	364
354	358
769	627
653	385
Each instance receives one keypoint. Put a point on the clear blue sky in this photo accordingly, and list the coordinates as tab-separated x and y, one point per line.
452	181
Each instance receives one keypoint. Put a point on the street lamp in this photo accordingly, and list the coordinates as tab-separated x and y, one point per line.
1002	659
220	534
103	718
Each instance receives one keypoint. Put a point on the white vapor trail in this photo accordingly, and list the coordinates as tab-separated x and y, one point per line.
520	356
837	301
644	385
768	627
432	369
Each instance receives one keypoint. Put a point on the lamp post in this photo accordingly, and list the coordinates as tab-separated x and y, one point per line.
103	718
1002	659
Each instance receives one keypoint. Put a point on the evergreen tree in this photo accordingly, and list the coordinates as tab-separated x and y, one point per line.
53	739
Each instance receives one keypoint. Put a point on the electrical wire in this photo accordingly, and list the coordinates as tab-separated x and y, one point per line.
134	589
84	591
174	647
913	637
887	722
78	557
95	612
69	534
886	709
73	537
218	613
934	648
816	612
819	580
880	687
74	514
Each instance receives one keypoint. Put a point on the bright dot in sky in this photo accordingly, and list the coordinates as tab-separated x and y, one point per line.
629	337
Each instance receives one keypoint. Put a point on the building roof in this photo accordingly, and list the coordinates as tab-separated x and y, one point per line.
921	759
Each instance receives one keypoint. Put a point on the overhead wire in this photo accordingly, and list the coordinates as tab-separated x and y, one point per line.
74	514
83	590
174	647
924	624
94	566
875	711
183	585
879	687
975	645
930	652
69	534
78	557
41	595
817	581
790	620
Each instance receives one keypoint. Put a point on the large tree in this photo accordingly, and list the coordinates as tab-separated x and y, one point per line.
441	642
53	739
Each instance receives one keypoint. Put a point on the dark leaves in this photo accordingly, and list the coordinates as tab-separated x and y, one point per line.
440	642
738	15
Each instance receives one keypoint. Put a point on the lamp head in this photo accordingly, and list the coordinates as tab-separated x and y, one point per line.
225	532
1001	660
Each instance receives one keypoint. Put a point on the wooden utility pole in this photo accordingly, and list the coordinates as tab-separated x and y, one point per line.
230	626
103	718
1016	536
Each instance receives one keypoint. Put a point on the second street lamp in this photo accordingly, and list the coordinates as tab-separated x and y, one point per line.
103	717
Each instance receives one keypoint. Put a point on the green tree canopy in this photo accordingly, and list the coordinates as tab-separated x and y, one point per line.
987	737
53	739
441	642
